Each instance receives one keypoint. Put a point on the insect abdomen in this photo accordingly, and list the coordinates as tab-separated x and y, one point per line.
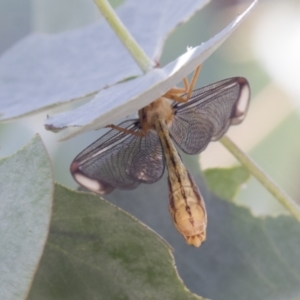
187	209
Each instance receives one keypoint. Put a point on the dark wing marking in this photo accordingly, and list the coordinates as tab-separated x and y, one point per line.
209	113
119	160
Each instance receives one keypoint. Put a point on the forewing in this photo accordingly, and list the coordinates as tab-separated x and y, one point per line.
209	113
119	160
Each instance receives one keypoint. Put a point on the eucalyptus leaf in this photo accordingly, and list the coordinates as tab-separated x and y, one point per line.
26	189
243	258
97	251
43	70
225	183
123	99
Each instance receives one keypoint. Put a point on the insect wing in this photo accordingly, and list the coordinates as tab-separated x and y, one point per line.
119	160
208	113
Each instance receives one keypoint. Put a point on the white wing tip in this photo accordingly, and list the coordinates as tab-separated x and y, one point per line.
242	104
91	184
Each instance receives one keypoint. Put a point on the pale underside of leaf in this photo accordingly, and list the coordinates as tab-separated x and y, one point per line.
119	101
25	213
43	71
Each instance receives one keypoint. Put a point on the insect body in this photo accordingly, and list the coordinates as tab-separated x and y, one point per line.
136	151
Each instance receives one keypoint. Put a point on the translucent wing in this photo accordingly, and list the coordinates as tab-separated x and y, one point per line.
209	113
119	160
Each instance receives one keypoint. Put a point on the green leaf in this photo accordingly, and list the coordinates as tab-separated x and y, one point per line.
225	183
244	257
97	251
26	189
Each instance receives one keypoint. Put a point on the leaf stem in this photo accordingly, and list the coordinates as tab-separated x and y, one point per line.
146	64
264	179
124	35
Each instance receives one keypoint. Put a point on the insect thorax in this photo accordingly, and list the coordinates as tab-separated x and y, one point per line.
159	109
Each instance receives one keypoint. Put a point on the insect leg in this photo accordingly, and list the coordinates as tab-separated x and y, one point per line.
179	90
193	82
188	88
174	97
115	127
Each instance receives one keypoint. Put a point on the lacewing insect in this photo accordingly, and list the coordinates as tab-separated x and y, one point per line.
136	151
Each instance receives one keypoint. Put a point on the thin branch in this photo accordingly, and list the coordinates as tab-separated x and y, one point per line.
146	64
124	35
264	179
